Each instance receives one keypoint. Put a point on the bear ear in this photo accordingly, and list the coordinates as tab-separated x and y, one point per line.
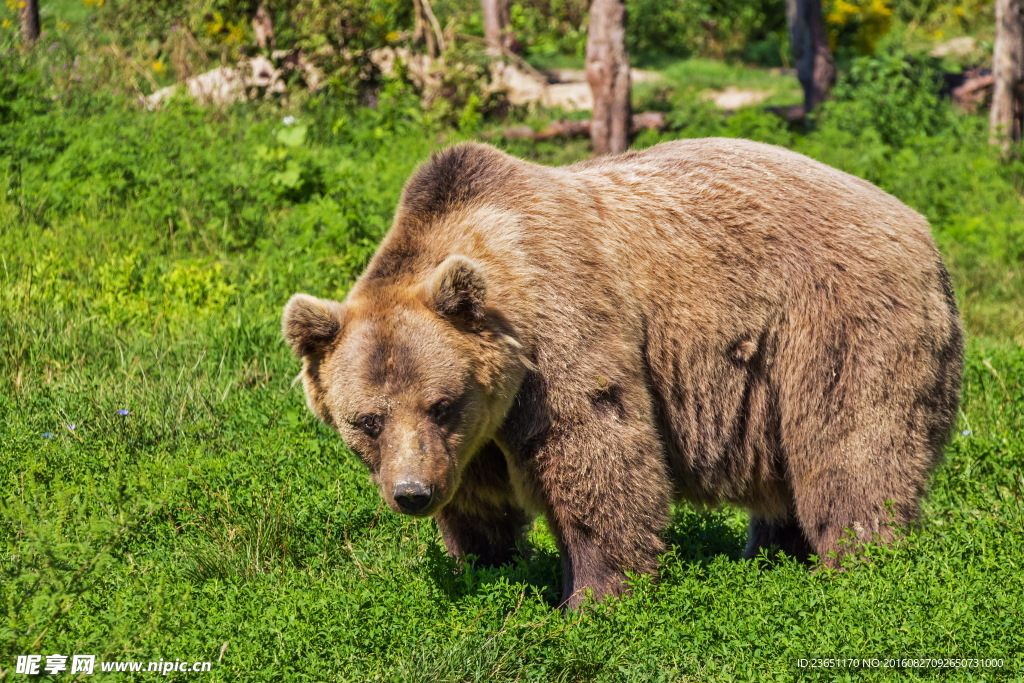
457	288
309	324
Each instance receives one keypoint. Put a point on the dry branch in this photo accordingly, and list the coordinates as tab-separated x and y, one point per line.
973	92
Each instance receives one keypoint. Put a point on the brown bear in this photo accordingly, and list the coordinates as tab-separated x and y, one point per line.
712	320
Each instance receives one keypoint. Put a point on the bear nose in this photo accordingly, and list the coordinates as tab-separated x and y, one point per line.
412	496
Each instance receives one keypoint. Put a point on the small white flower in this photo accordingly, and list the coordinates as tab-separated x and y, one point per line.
288	120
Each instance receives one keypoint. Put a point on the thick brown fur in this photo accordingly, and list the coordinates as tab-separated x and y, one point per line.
713	320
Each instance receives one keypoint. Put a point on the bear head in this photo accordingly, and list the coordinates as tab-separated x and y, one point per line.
415	377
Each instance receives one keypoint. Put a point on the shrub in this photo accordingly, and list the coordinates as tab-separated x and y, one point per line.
753	31
890	98
855	26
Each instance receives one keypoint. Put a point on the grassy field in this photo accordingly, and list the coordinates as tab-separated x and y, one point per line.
166	494
705	74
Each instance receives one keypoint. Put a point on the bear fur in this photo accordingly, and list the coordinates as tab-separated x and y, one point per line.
710	320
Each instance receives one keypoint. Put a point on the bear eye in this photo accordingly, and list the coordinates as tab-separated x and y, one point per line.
370	424
439	410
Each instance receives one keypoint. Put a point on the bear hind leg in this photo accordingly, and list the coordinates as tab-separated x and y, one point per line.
777	535
840	511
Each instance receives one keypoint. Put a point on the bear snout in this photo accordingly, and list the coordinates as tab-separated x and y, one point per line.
412	496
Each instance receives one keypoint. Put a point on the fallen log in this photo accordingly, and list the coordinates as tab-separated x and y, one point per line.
973	93
650	120
791	114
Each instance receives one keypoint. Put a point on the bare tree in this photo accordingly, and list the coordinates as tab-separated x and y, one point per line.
497	27
263	26
814	65
608	76
427	31
29	15
1007	116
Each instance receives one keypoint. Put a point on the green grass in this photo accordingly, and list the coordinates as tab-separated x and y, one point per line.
144	261
698	76
74	12
706	73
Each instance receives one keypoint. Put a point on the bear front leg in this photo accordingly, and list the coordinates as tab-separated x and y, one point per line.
593	570
607	495
484	519
491	533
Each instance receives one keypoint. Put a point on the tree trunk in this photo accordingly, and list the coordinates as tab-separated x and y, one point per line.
263	27
1007	116
498	27
29	15
608	76
814	65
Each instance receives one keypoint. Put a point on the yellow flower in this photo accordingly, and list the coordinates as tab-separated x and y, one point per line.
391	36
841	13
63	25
236	33
880	8
5	23
214	27
959	11
158	67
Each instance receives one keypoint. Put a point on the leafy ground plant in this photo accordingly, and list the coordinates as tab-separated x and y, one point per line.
166	494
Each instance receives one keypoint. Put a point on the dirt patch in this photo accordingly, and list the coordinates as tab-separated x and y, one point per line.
733	98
